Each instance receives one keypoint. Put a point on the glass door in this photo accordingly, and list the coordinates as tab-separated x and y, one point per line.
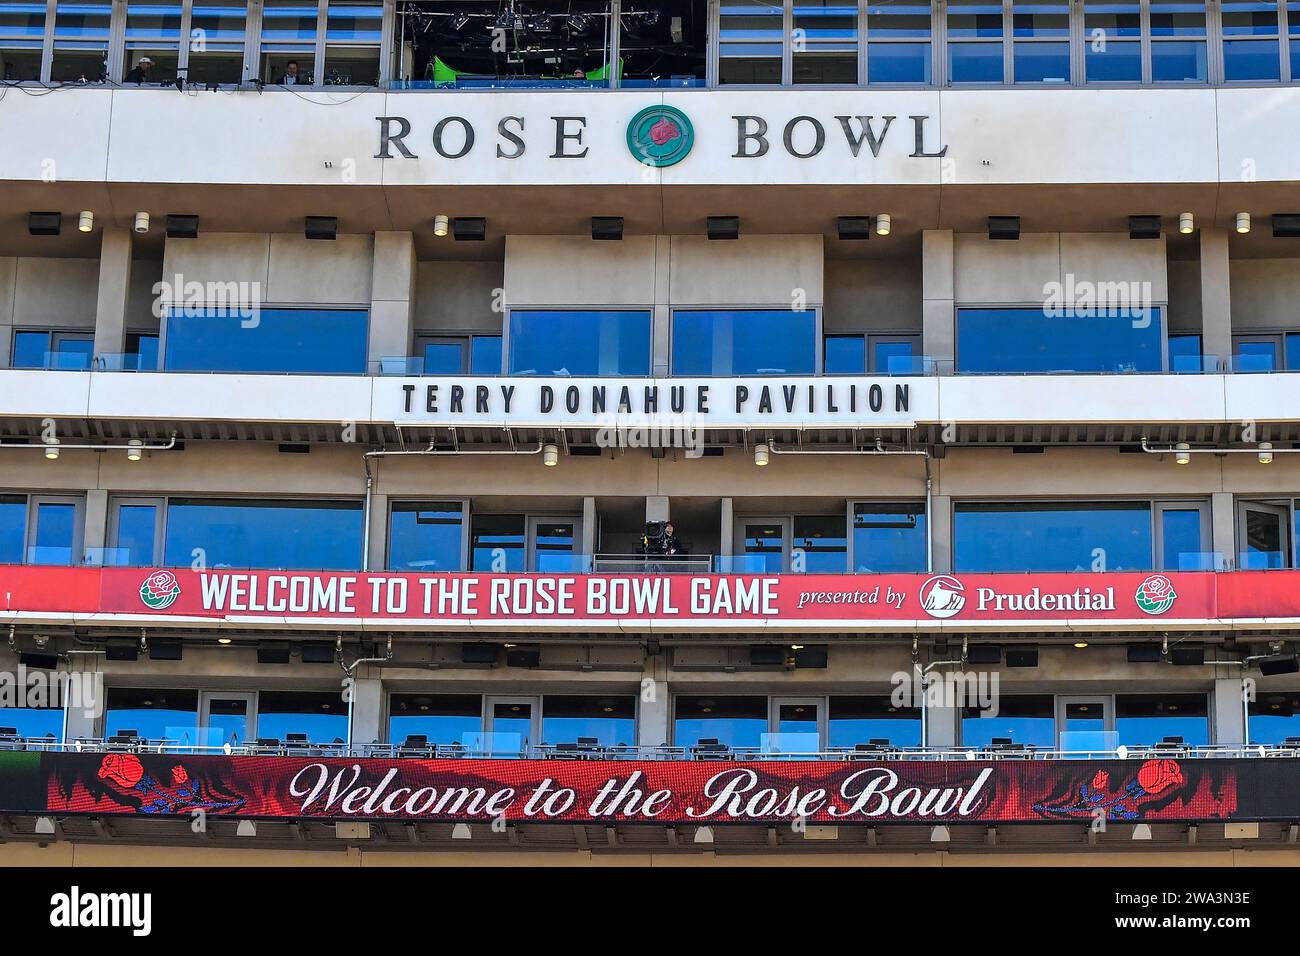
764	543
226	718
1263	536
1085	725
796	725
511	726
555	545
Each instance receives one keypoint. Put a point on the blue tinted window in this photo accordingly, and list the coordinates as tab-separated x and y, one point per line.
1116	62
135	534
13	528
1052	536
32	722
1185	353
321	341
765	548
322	717
889	537
1032	340
1274	717
444	358
860	720
975	62
1028	720
609	720
734	721
155	714
55	532
1042	62
751	342
819	545
1293	351
497	543
579	343
845	355
316	535
898	62
892	357
1182	547
439	718
54	350
1256	356
1251	60
142	350
1144	719
425	536
30	349
1177	61
485	355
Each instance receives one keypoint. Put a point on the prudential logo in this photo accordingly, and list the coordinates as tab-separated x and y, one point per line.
660	136
942	596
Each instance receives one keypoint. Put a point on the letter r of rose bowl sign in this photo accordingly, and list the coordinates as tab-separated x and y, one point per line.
160	590
942	596
660	136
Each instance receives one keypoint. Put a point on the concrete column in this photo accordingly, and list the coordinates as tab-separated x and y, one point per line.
662	337
377	552
114	290
938	320
726	546
8	281
95	529
1223	527
367	710
941	726
656	508
941	533
589	524
1216	301
652	720
82	716
1229	717
392	295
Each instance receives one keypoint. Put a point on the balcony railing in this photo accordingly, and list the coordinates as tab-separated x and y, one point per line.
510	746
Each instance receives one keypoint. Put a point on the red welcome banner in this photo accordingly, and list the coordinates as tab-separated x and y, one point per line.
644	601
614	791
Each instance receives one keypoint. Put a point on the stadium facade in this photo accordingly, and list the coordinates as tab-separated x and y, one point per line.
608	431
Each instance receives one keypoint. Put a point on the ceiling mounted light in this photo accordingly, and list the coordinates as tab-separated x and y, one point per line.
1080	645
761	454
1243	222
45	826
704	835
723	227
461	831
883	224
1144	227
940	834
223	641
52	449
550	455
1266	453
85	221
141	222
1004	227
134	450
246	828
1186	223
1182	453
440	226
1142	831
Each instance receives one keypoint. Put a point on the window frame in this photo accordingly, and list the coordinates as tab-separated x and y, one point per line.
419	500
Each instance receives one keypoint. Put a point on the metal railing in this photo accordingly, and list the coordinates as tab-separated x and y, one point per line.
661	752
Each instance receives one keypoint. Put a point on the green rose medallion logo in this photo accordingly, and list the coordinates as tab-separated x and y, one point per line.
160	590
1155	595
660	136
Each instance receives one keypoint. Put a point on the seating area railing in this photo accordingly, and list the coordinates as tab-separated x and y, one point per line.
297	745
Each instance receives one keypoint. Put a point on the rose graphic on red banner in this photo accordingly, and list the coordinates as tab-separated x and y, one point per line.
1153	778
160	590
124	782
